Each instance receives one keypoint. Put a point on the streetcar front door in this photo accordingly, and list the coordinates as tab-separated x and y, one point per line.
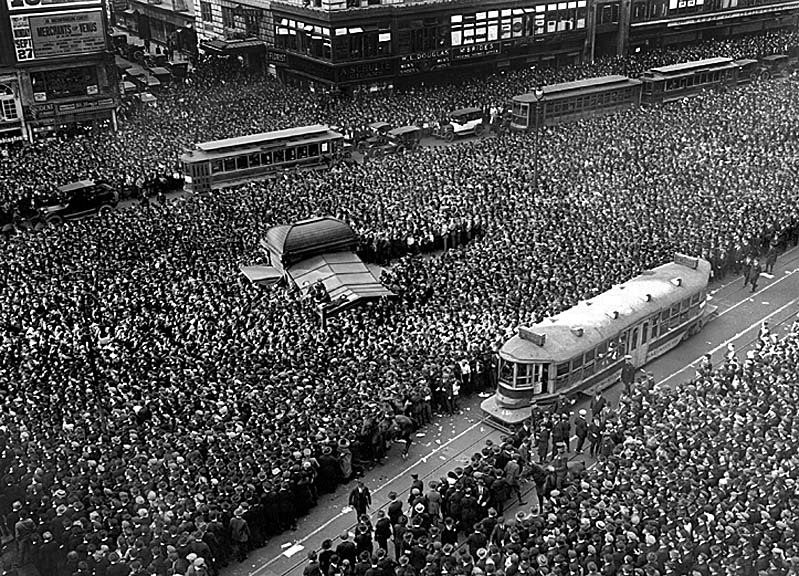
638	344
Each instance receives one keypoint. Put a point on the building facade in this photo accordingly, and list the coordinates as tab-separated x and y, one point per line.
343	44
234	28
58	52
167	23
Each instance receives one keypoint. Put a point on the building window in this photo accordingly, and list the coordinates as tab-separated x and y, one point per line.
205	11
8	109
228	17
64	83
252	22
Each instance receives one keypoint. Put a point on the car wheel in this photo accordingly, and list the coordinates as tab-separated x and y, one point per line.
478	130
104	210
55	220
449	136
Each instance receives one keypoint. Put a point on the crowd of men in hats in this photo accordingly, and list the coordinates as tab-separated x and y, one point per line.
155	406
221	100
700	480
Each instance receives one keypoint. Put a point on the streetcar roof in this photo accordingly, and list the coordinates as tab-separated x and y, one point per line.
594	321
263	138
671	69
587	85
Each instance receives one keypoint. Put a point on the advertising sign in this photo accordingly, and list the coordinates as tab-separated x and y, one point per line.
58	34
17	5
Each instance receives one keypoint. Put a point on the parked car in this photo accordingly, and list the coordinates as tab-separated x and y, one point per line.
463	122
81	198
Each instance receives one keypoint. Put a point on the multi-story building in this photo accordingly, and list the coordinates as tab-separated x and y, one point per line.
234	28
167	23
346	43
58	51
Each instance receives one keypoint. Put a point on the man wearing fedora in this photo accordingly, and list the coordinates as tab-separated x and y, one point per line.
360	499
239	534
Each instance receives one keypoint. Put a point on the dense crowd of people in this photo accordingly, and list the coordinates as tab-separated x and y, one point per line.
154	402
699	480
220	100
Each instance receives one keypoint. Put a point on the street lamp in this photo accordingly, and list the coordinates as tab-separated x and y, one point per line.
539	96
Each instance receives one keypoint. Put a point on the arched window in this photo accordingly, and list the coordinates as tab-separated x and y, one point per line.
8	105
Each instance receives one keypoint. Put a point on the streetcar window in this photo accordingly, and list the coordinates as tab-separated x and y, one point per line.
216	166
255	160
266	158
563	369
313	150
506	371
675	310
291	154
241	163
524	375
695	299
230	164
602	358
685	304
278	156
302	151
325	147
645	333
589	356
577	362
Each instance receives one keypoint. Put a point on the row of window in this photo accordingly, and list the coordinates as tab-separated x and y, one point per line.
491	25
654	9
605	354
258	159
588	102
700	79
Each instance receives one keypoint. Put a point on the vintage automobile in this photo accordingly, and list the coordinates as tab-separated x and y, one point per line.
81	198
462	122
405	138
375	135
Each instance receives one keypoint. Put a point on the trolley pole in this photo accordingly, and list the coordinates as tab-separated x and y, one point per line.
539	95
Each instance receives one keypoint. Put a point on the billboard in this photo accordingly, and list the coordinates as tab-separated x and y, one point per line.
57	34
17	5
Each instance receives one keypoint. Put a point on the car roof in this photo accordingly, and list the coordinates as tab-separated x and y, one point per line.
404	130
72	186
379	125
464	111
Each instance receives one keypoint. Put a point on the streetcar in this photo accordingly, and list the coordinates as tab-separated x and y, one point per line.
677	81
570	101
221	163
583	349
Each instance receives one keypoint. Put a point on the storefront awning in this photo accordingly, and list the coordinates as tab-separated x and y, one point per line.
233	47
